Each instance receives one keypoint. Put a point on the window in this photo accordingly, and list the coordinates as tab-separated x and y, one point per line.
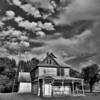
44	71
49	61
60	72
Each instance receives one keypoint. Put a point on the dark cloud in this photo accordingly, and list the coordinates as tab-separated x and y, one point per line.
80	59
78	10
36	44
75	22
76	28
3	6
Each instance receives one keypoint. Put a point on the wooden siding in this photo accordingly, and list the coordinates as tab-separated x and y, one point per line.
52	71
48	71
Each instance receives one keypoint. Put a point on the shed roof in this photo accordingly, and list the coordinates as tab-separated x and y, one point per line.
24	77
62	63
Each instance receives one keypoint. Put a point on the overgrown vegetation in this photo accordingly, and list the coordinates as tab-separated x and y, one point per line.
8	70
90	74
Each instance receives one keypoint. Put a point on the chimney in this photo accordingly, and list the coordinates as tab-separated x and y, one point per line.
47	53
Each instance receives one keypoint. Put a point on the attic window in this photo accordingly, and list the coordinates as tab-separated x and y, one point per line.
49	61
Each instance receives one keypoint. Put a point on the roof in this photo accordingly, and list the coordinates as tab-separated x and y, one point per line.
59	61
62	63
24	77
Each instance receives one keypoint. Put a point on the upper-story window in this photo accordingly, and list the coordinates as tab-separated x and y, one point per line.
49	61
60	72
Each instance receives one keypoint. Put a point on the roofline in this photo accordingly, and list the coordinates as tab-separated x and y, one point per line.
51	57
53	66
49	66
34	68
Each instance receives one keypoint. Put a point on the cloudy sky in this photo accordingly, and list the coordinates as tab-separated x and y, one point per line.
70	28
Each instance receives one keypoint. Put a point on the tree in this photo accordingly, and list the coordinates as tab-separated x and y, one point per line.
90	75
26	66
34	62
7	74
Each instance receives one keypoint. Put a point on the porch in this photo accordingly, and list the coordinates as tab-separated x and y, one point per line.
59	86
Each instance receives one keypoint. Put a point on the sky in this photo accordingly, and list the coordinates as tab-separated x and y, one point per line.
69	28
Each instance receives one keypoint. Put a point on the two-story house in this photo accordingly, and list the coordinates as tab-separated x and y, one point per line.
51	77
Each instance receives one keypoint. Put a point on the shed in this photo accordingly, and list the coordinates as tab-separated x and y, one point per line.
24	82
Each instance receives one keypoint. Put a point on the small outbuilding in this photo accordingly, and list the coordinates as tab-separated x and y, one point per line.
24	82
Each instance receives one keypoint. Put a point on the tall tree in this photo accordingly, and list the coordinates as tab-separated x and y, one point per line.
34	62
90	75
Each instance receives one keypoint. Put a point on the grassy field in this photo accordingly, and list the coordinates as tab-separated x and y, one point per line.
31	97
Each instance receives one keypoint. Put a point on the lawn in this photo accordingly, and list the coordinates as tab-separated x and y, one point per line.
31	97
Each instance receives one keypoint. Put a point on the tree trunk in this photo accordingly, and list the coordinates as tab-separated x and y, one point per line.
91	88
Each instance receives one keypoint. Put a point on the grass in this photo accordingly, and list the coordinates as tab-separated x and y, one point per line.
16	96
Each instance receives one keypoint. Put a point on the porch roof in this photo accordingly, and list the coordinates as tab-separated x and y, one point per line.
61	78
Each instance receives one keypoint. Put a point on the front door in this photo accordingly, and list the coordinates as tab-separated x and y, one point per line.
47	90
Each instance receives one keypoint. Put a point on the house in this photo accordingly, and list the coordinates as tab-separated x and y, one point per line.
51	77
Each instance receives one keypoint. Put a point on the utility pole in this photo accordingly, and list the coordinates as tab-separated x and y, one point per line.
16	73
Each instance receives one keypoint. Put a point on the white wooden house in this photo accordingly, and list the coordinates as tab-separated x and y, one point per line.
51	77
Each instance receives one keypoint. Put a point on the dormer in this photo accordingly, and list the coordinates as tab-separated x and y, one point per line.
49	60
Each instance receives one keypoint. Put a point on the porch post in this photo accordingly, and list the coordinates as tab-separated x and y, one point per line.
62	87
73	87
38	88
76	88
83	86
52	86
43	87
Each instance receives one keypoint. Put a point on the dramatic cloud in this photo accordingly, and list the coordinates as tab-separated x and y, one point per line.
41	34
78	10
16	2
12	32
24	44
10	14
1	24
28	8
70	28
42	3
18	19
31	10
3	52
34	26
48	26
28	25
23	38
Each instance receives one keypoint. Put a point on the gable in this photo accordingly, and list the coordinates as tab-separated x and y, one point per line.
49	60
